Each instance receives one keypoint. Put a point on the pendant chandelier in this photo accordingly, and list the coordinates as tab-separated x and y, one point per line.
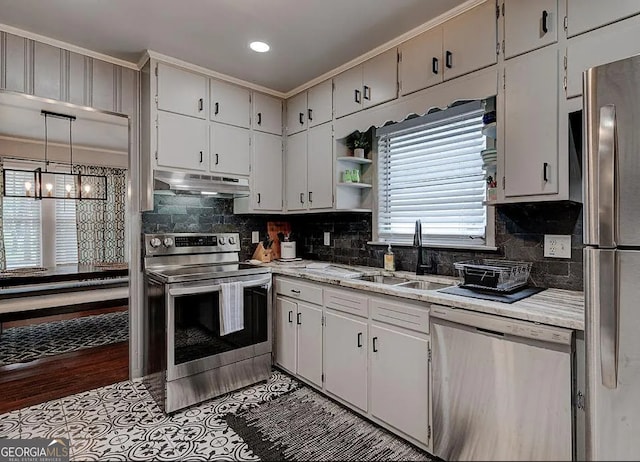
58	184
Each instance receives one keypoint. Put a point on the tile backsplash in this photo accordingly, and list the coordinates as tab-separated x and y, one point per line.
520	231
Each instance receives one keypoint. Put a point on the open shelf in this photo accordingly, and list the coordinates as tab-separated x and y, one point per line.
355	185
355	160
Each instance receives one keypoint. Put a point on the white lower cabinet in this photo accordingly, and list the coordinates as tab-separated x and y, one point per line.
298	345
345	358
399	393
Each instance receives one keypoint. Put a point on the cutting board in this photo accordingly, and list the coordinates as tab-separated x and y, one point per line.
273	228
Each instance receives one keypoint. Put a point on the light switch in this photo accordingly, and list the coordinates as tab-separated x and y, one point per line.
327	238
255	237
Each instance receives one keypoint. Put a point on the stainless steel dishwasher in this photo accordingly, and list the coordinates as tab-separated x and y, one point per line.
501	388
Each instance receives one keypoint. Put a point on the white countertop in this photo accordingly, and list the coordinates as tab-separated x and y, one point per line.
555	307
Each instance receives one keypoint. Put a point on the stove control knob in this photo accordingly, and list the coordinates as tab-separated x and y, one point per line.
155	242
168	242
221	240
232	240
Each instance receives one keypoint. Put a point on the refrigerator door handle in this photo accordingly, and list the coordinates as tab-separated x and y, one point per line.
609	317
607	176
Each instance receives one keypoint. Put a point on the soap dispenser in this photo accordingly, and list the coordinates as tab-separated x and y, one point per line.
389	261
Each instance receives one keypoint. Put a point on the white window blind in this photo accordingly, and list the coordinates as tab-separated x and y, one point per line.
65	222
21	223
430	168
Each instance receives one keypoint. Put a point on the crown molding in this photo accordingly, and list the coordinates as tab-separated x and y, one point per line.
67	46
447	15
210	73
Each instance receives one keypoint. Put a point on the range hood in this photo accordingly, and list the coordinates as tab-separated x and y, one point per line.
194	183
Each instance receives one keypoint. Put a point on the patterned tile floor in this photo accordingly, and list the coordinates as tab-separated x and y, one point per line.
122	422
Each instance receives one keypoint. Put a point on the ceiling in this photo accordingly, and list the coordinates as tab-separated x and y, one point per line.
308	37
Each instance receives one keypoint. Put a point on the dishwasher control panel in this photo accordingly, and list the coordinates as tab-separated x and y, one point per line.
500	326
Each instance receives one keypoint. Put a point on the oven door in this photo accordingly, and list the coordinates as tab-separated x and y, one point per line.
194	342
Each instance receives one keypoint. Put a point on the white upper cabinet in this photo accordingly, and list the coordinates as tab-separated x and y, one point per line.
586	15
347	94
610	43
182	142
529	25
380	78
266	173
230	150
297	113
470	40
230	104
181	91
320	167
421	61
320	104
295	165
531	124
267	114
373	82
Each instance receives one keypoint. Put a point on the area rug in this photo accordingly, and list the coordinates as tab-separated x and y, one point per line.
303	425
27	343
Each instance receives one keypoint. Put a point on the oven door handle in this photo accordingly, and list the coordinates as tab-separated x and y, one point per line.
176	291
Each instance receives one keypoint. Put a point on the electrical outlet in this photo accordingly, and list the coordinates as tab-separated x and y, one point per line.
255	237
557	246
327	238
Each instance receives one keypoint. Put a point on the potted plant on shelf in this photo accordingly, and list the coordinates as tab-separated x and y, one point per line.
358	143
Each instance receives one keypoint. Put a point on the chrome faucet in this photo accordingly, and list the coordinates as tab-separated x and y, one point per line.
421	268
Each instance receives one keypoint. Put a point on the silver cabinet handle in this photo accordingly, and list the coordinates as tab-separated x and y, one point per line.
607	175
609	311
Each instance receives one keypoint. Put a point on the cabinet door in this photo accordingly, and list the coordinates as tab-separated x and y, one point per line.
182	141
297	113
529	25
320	103
380	78
531	124
267	172
309	341
230	149
399	368
46	71
181	91
347	94
469	41
345	359
295	168
267	114
320	167
286	334
585	15
230	104
614	42
421	63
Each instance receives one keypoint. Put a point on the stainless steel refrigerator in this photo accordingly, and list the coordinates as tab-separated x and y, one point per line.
612	259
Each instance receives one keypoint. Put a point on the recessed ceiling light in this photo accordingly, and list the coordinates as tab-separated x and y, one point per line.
260	47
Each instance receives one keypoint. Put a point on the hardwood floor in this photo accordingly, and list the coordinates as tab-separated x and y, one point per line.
53	377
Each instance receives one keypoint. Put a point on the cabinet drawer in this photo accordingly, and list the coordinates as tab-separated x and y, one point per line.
346	301
399	314
299	290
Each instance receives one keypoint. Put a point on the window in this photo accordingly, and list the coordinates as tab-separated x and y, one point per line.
38	232
430	168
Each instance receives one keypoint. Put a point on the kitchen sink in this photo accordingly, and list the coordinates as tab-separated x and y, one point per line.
387	280
423	285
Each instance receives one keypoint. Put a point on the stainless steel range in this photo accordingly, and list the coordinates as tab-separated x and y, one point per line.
190	354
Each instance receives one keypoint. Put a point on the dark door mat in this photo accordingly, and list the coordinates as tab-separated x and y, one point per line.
502	298
304	425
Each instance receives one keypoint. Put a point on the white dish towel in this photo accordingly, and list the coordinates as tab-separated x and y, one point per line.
231	307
